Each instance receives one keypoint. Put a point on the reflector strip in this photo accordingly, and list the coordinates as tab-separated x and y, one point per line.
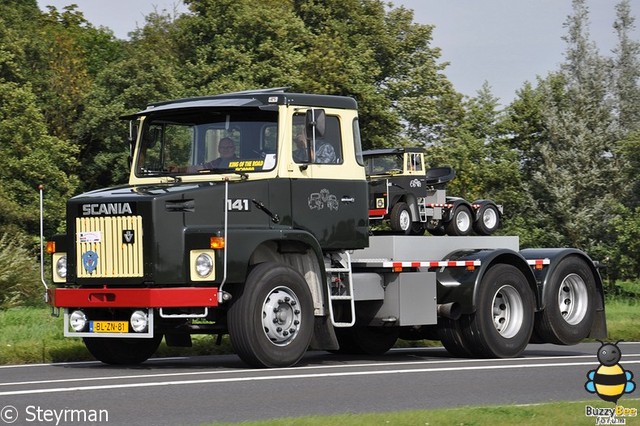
448	206
538	262
432	264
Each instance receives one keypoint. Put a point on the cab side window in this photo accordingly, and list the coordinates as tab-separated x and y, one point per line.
327	150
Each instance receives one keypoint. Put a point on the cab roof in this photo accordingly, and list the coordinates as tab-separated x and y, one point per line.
389	151
250	98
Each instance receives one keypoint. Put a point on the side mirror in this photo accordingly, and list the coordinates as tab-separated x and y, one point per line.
315	123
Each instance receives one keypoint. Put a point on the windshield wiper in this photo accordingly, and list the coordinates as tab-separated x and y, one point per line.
160	173
222	170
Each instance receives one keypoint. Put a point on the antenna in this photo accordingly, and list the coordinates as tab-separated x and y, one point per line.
46	288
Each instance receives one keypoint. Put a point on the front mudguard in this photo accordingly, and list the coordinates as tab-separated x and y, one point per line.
241	244
455	202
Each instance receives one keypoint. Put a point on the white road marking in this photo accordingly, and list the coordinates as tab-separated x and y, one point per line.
311	367
295	376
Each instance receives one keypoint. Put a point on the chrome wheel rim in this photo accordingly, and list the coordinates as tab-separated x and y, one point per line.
281	316
507	311
573	299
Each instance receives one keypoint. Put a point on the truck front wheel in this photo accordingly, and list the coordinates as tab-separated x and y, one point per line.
122	351
400	218
271	322
569	304
503	321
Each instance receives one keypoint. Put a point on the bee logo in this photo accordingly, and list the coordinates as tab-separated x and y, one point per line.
609	381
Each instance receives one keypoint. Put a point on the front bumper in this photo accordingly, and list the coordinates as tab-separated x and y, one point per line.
173	297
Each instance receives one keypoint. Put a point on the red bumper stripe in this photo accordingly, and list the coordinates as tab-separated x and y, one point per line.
177	297
377	212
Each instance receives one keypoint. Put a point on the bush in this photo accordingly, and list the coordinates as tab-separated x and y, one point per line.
19	274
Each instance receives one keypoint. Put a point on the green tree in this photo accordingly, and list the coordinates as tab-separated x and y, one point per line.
29	156
146	70
355	47
572	165
626	70
525	133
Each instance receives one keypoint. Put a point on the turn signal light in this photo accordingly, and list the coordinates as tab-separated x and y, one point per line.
51	247
216	243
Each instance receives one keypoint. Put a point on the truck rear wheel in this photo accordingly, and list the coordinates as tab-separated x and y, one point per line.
461	222
569	304
271	322
400	218
122	351
452	339
488	220
503	321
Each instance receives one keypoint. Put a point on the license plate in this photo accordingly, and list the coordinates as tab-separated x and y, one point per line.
109	327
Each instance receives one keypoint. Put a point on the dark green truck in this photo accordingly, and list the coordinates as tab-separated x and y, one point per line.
272	247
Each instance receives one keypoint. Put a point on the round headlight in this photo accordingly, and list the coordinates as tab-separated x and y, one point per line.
61	267
139	321
78	320
204	265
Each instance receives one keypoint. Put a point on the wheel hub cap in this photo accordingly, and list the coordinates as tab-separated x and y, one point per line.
508	311
405	220
489	218
573	299
281	316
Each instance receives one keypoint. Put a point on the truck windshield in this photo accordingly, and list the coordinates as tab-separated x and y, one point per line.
207	140
383	164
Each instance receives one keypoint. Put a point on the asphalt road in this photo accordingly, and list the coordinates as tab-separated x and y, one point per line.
195	390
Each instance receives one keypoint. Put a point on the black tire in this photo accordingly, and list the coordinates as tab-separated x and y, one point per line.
503	321
488	220
437	230
400	218
569	303
450	334
364	340
271	322
417	228
461	222
122	351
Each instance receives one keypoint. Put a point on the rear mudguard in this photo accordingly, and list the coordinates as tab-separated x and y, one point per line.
546	274
455	202
481	203
462	285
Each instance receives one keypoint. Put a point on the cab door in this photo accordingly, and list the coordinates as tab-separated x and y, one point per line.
329	192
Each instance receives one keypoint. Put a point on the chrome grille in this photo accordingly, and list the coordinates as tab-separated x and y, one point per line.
102	250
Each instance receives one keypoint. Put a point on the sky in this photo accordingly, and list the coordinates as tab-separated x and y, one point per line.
502	42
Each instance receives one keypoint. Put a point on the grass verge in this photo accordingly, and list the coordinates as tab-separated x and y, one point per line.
32	335
539	415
